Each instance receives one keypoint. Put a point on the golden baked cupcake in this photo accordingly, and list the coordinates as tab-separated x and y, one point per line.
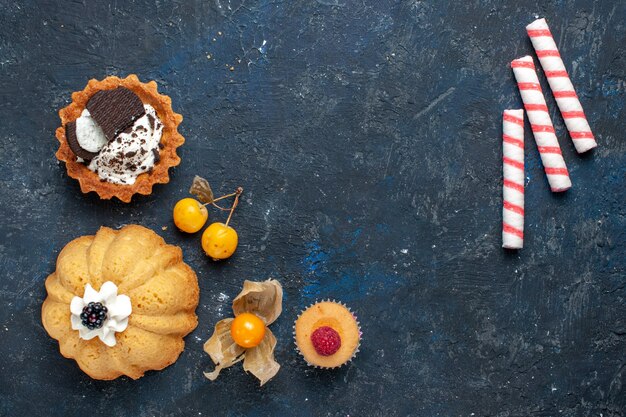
118	137
327	334
120	302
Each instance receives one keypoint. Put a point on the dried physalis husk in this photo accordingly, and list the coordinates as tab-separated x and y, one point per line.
265	300
259	360
200	188
222	348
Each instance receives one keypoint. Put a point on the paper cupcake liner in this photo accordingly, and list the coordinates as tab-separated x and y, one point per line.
358	324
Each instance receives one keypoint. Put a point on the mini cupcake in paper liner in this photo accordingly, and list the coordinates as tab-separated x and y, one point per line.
327	334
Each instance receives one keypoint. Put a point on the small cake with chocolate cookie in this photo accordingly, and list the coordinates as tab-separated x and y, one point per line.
327	334
119	137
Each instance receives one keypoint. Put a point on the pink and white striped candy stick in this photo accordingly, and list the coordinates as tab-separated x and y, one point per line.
561	85
513	186
541	124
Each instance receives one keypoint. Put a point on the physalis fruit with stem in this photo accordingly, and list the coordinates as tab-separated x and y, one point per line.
189	214
220	240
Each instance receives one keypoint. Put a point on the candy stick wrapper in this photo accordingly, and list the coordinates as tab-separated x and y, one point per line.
561	85
513	185
541	124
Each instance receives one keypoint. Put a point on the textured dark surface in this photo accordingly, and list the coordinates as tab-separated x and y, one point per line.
367	137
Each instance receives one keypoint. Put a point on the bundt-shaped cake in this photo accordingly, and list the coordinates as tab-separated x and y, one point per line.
120	302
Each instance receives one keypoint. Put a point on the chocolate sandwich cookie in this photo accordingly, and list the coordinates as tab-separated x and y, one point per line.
72	141
115	110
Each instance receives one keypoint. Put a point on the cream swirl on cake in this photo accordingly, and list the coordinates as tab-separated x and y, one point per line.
133	152
89	135
100	313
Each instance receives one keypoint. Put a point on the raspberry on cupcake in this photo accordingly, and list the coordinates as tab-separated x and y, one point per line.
327	334
326	341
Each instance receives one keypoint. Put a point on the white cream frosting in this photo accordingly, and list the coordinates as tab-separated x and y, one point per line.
133	152
88	133
118	306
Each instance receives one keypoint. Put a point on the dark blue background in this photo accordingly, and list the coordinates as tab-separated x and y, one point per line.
367	137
